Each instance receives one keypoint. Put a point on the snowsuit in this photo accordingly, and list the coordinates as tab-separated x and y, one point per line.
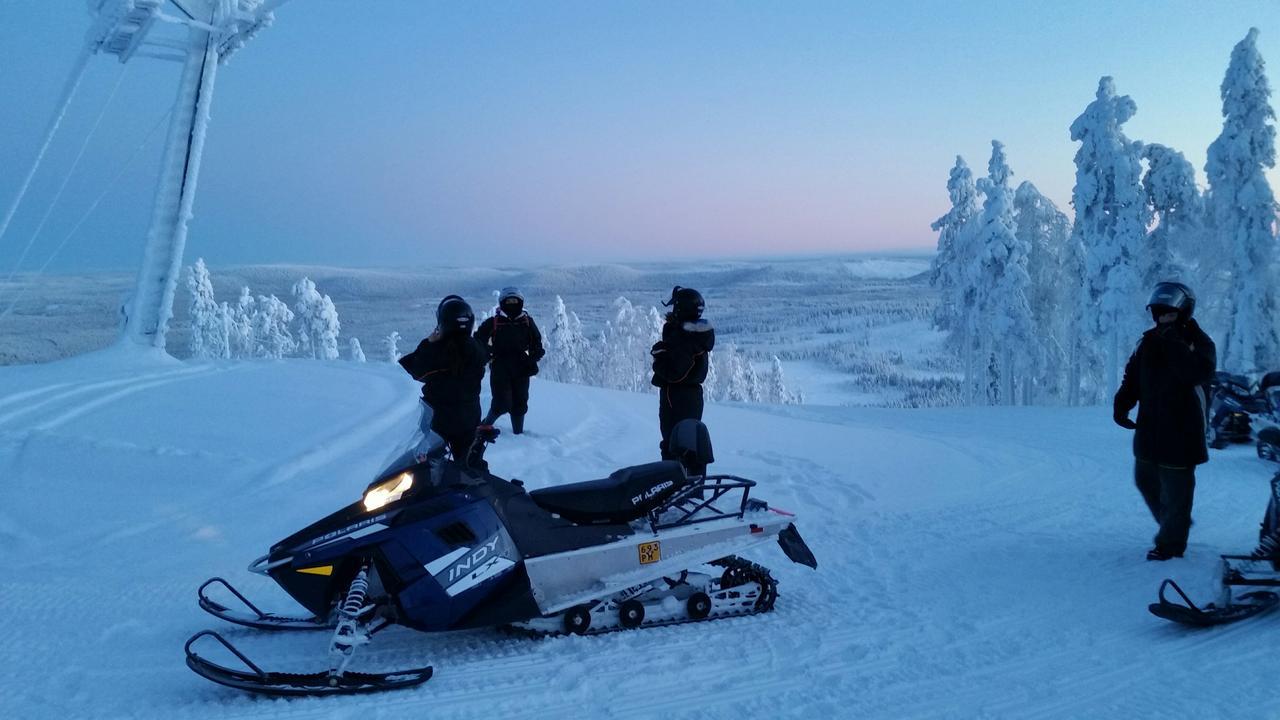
515	346
450	370
680	362
1165	377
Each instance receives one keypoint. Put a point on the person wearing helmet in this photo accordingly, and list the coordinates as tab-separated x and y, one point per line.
680	361
450	365
513	342
1165	378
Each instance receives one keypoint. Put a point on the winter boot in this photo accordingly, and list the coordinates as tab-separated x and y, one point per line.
517	424
1160	554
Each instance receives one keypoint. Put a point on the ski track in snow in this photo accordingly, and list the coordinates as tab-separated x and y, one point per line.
984	563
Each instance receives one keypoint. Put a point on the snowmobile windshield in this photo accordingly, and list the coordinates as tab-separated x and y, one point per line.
420	445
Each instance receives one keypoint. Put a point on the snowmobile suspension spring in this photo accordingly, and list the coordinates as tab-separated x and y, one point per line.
354	601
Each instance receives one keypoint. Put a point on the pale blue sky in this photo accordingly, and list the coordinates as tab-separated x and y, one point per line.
393	132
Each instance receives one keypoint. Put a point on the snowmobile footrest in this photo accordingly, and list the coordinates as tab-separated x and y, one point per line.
255	679
1188	613
259	619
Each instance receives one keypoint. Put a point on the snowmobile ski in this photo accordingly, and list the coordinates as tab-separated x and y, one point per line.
1237	571
259	619
258	680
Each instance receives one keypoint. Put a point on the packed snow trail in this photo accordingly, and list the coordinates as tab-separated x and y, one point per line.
973	562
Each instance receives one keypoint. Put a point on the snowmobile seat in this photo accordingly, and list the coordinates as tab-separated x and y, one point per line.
690	443
626	495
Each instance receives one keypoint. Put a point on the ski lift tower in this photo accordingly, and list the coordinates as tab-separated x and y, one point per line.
201	34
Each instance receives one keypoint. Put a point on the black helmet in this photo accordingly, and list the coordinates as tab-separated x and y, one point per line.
454	315
686	303
1173	295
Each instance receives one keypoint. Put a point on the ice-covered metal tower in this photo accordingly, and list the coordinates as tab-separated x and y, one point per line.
208	32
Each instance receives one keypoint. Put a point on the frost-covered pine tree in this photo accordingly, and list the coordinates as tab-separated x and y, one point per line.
775	385
947	273
628	339
566	346
355	351
712	388
1044	230
243	344
391	344
209	335
1008	345
271	328
1244	210
318	320
1111	223
1170	184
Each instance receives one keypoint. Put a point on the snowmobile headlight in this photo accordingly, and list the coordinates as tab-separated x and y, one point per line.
388	491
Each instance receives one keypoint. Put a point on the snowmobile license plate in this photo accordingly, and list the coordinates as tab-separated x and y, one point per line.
650	552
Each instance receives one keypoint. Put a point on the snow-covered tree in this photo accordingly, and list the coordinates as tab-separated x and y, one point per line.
355	351
1111	223
1244	210
391	344
628	339
271	328
1044	230
209	336
1170	184
775	388
736	376
318	321
1002	293
243	344
566	346
947	272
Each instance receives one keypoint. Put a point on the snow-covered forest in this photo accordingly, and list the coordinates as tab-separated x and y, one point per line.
1039	308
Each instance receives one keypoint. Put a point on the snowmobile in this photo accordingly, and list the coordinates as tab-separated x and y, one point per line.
1236	406
435	544
1256	571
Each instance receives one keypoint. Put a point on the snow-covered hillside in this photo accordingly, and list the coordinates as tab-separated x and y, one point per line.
973	562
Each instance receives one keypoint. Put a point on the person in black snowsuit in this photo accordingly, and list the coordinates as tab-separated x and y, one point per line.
680	361
450	365
1165	378
513	342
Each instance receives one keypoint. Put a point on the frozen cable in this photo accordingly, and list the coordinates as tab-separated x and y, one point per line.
111	184
68	91
66	180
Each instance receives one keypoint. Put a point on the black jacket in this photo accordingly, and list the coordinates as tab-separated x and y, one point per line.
450	371
514	343
680	358
1165	377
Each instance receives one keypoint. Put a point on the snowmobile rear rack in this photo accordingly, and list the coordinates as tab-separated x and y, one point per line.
255	679
260	620
701	495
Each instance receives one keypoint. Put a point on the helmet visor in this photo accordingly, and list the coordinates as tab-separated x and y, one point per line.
1169	295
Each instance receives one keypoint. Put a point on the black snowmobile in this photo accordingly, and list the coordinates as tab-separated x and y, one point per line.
438	545
1235	404
1257	574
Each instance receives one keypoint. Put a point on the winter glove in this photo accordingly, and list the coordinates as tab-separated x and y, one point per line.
1122	419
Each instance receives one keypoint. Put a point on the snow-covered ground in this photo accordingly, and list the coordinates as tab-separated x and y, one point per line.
973	562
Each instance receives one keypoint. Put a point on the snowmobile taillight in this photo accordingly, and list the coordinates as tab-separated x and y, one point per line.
388	492
756	529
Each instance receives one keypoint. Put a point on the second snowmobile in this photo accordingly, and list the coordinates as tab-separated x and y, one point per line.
436	544
1249	584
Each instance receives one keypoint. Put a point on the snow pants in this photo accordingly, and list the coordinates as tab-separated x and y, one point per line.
1168	492
676	403
510	390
